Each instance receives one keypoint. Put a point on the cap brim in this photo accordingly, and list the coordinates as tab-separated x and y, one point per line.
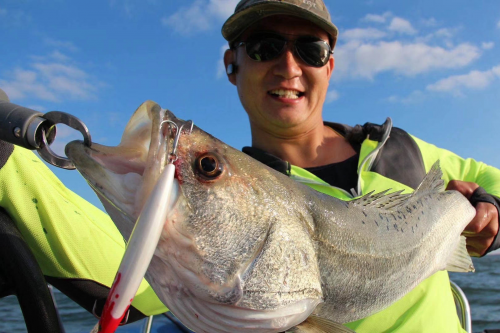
239	22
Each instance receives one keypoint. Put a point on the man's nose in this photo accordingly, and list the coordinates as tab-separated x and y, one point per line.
288	65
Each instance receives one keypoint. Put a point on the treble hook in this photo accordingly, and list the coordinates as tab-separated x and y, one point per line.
172	157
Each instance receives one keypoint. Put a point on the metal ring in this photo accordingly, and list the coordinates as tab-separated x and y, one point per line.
50	157
58	117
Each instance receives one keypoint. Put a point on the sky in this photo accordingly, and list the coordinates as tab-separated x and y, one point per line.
432	66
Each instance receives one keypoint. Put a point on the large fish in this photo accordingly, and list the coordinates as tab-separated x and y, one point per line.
247	249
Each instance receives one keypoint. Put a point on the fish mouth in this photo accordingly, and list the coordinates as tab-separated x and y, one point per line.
123	176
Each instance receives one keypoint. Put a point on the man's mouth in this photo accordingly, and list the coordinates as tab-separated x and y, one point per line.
286	93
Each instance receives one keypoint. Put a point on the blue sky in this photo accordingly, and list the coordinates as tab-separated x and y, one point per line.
433	66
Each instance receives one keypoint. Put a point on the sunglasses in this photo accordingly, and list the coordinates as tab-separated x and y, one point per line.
312	50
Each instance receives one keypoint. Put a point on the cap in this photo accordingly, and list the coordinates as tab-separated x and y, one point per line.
247	12
3	96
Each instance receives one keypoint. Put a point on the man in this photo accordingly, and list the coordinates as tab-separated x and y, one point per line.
280	59
283	96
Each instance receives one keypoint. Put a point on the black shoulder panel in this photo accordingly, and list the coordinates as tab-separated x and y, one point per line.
268	159
400	159
6	150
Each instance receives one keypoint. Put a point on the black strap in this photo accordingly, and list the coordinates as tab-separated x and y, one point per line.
19	270
480	195
6	150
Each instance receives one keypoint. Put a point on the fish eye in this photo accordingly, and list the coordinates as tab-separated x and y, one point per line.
208	165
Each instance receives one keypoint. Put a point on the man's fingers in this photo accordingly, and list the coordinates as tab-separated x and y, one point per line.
466	188
481	231
484	223
483	228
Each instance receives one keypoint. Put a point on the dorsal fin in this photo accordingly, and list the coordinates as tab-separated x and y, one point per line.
381	199
432	182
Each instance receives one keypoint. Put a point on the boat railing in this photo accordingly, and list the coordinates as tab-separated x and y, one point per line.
462	306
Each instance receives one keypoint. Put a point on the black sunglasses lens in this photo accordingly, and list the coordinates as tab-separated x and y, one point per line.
264	48
314	52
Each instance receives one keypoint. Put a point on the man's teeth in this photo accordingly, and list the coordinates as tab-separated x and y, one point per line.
293	94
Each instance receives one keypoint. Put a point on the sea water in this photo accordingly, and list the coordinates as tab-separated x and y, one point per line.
482	289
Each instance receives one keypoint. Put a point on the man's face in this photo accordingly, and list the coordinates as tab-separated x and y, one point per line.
282	96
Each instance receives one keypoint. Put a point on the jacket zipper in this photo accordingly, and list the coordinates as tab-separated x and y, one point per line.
370	158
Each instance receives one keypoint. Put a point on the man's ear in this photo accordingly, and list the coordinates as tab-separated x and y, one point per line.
331	66
230	59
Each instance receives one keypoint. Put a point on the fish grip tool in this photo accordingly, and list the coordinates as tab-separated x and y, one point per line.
143	239
32	130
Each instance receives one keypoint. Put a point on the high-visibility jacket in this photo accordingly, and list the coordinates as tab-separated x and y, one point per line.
392	159
79	248
76	245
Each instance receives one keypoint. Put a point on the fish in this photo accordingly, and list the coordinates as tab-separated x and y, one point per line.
245	248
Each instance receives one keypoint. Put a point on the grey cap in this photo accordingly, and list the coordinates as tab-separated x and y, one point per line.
3	96
247	12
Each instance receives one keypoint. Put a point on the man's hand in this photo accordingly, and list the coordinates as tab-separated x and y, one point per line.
481	231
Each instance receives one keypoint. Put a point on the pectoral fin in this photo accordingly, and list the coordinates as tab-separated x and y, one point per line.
460	260
315	324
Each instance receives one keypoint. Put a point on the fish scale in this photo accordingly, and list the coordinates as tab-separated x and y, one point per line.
251	250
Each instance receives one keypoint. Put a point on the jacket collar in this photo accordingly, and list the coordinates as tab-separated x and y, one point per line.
355	135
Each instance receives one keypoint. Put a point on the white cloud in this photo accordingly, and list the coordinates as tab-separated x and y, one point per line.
14	18
473	80
376	18
51	78
60	44
415	97
200	16
221	69
430	22
498	24
130	7
444	33
37	108
189	19
58	56
222	8
364	34
401	26
331	95
355	59
487	45
23	83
